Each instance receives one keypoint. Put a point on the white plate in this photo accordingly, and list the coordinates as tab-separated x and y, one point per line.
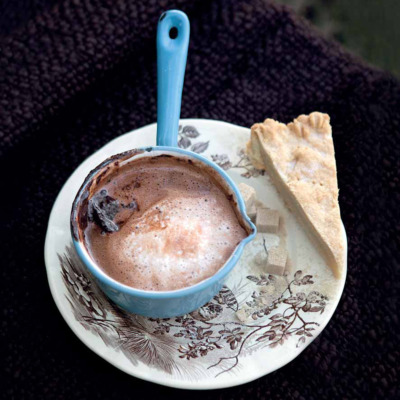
209	348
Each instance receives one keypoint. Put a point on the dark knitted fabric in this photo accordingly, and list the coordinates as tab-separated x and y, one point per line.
76	73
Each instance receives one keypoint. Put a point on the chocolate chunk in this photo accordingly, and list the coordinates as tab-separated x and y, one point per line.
102	210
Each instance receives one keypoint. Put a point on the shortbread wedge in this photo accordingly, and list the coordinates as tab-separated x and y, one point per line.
300	159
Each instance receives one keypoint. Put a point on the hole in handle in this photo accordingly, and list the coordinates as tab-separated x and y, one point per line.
173	33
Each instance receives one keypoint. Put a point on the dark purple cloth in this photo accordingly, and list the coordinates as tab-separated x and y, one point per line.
76	73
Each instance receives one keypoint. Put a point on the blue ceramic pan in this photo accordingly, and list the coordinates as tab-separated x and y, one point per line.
172	45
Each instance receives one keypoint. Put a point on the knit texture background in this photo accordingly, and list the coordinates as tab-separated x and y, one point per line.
75	74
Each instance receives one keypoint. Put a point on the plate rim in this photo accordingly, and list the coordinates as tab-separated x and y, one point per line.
178	383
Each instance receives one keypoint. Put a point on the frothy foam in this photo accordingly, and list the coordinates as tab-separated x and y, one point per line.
182	232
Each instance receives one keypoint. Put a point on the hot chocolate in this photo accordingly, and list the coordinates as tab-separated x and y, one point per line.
161	223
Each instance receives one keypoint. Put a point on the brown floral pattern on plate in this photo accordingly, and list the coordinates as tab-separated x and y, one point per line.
189	139
210	340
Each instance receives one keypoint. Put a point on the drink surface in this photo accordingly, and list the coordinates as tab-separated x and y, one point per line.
161	223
